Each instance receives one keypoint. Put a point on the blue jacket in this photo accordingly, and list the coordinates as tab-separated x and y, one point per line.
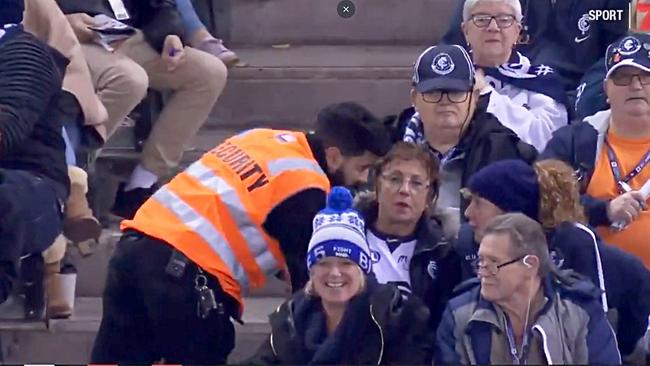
579	145
621	275
561	35
571	327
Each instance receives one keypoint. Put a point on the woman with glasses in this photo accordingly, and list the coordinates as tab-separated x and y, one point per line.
453	122
407	246
549	193
520	310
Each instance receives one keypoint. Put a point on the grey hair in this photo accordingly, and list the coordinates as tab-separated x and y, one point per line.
514	4
526	237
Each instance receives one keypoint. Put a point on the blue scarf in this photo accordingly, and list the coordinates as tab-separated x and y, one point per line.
518	72
537	78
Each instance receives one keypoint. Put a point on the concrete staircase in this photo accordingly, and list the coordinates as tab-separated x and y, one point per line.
299	57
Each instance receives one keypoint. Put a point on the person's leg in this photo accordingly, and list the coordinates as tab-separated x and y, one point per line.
199	36
31	219
181	336
120	83
196	85
124	333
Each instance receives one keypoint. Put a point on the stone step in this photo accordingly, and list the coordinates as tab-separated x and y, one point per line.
286	87
394	22
69	341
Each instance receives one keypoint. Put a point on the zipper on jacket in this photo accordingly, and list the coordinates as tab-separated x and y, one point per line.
547	352
381	335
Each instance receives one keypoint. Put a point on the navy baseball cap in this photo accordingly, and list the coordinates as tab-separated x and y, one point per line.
443	67
632	50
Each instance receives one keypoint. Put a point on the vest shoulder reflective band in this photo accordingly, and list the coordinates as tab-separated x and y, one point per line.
213	211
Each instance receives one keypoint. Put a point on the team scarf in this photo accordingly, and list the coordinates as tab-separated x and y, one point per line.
518	72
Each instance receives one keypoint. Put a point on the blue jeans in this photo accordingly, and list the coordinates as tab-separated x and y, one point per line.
191	21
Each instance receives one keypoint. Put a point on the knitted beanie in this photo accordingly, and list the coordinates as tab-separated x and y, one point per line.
339	231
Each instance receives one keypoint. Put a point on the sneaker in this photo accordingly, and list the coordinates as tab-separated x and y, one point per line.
128	202
215	47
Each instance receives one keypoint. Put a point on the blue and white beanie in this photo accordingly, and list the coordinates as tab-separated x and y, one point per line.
339	231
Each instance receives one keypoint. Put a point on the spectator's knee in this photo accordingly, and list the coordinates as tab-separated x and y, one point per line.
130	79
212	74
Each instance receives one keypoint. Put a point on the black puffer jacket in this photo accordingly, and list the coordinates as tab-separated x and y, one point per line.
378	327
156	18
435	268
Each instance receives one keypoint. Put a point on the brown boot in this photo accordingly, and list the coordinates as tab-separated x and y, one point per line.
79	224
59	282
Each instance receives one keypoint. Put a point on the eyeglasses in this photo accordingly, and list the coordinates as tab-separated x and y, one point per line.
453	96
491	266
626	79
395	182
484	20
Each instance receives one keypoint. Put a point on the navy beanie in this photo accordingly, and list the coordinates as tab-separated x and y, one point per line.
511	185
11	11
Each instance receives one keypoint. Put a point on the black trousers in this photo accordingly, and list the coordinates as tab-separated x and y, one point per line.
150	315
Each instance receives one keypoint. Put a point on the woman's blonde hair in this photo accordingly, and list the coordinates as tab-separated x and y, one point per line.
559	193
310	289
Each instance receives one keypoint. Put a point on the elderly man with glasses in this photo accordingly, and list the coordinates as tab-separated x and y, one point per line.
611	150
521	310
451	118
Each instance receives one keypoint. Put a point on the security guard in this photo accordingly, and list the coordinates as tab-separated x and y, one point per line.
240	213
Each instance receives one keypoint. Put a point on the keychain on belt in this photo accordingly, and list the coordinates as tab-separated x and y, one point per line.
207	301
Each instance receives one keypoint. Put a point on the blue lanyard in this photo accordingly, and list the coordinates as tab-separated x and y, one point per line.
516	357
616	167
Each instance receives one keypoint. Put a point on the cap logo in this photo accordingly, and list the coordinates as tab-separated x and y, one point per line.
442	64
629	45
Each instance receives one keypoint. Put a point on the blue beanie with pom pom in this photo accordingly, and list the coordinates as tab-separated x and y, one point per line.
339	231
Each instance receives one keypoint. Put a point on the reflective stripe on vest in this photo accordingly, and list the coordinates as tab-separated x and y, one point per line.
228	195
278	166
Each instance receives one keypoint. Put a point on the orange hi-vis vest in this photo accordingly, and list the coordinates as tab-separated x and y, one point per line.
213	211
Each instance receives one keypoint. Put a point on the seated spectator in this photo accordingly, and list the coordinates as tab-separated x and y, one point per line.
611	151
548	193
34	181
455	123
343	316
85	114
528	99
559	34
520	310
199	36
155	56
407	246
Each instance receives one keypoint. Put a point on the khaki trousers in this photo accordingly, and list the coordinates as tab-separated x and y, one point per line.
121	79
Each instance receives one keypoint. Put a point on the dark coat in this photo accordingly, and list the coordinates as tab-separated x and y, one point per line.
435	268
156	18
31	74
378	327
484	141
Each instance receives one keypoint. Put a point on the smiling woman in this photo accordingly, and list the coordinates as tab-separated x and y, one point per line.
340	305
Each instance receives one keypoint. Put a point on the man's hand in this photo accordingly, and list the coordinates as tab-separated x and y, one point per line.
80	23
173	53
626	207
